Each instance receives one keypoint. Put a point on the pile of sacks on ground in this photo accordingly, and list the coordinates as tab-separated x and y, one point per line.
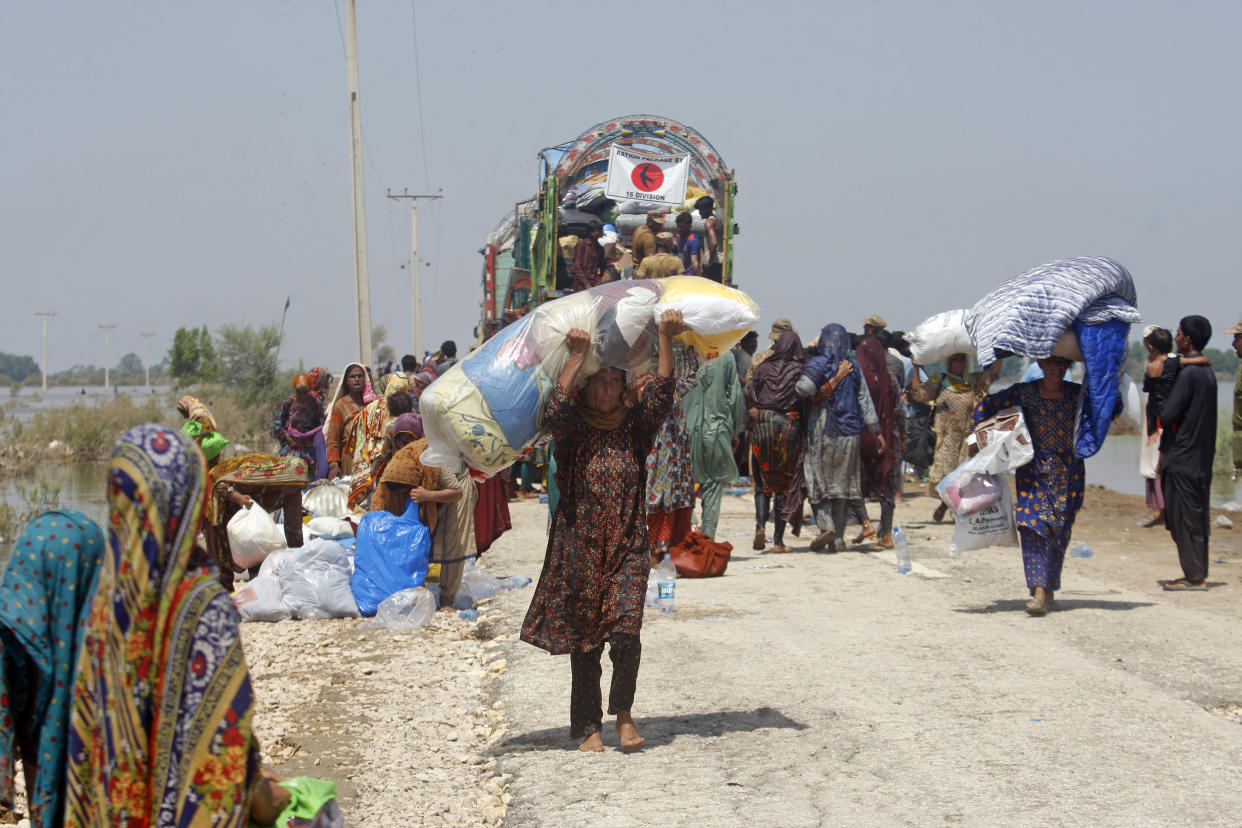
1080	309
487	411
381	573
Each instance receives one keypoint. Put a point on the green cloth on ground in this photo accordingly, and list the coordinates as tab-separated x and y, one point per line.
306	797
715	412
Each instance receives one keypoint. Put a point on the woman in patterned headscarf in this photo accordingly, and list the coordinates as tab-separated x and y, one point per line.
160	730
374	444
353	393
44	602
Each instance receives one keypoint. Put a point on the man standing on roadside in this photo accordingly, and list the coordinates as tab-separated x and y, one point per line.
1236	330
1187	448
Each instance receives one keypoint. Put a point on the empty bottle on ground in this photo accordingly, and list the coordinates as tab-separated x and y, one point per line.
901	547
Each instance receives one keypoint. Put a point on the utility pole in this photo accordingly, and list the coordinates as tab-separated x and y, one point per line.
362	285
45	315
107	329
416	297
146	362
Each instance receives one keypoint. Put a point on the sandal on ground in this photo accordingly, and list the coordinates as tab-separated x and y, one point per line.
823	539
868	531
1036	606
1182	585
780	547
940	512
761	540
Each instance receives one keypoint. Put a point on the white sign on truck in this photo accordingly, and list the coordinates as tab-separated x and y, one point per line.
656	179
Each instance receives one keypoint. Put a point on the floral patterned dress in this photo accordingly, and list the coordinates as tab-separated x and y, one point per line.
1050	487
594	574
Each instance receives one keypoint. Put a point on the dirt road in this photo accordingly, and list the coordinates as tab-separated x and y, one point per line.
805	689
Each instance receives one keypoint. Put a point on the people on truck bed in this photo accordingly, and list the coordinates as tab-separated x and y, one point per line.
689	246
663	262
643	242
587	267
713	263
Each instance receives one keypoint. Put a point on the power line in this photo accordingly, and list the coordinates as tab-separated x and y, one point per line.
418	89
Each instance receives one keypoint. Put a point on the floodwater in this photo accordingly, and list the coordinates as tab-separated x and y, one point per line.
30	401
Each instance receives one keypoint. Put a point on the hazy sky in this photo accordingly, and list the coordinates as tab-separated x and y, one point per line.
169	164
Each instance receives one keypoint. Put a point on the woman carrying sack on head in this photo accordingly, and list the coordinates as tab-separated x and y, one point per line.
594	577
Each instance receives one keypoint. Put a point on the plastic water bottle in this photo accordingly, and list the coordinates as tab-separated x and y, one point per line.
514	582
653	590
468	615
901	547
666	583
1081	550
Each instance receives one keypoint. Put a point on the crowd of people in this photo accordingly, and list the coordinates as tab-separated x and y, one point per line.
591	252
829	425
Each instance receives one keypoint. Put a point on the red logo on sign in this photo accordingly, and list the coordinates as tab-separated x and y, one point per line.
647	177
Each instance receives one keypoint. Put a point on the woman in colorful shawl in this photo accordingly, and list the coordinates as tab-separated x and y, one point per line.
161	725
775	417
406	472
193	409
272	482
840	410
669	466
594	577
953	396
1050	487
881	458
353	392
375	439
44	603
299	422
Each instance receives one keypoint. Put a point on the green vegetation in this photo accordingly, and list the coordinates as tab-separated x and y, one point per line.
192	357
36	498
1224	362
17	368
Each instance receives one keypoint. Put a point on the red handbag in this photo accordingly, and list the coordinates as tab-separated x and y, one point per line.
698	556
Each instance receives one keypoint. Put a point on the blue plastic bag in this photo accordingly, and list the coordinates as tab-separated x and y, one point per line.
392	554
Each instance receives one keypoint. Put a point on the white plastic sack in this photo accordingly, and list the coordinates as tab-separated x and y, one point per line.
275	562
718	316
1133	414
940	337
990	526
326	500
330	527
315	582
1067	347
253	535
260	600
487	410
403	611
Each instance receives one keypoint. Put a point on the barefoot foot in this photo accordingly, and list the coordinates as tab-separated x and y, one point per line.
630	740
592	744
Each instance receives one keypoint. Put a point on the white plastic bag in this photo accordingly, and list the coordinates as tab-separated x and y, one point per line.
329	527
990	526
260	600
1005	450
276	561
253	535
940	337
315	582
327	500
403	611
